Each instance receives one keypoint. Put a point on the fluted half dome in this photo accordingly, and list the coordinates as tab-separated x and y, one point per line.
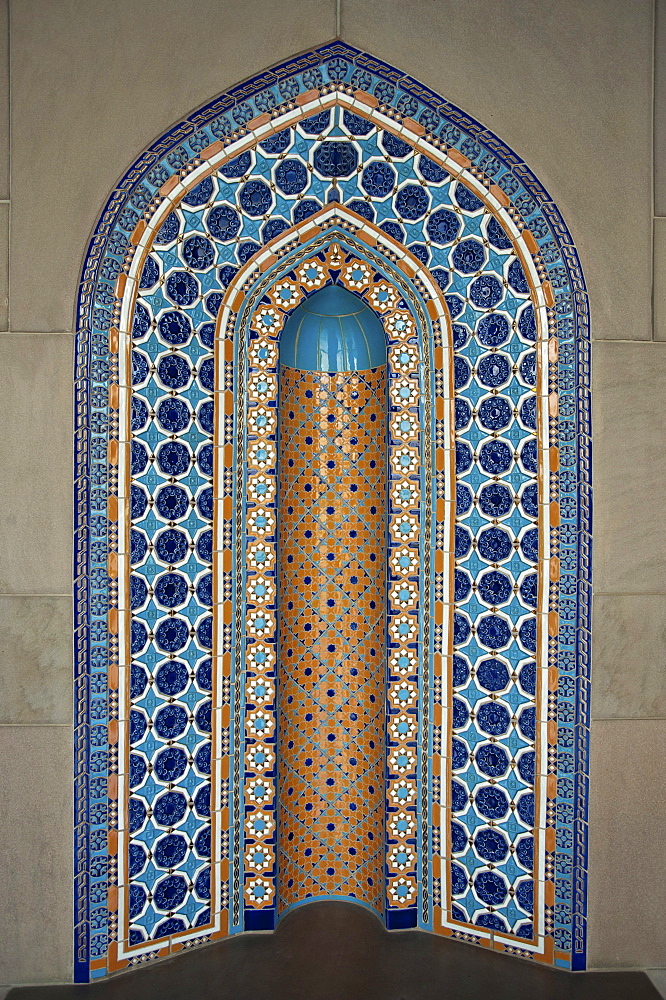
333	331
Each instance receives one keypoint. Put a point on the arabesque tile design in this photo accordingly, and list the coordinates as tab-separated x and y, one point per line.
331	169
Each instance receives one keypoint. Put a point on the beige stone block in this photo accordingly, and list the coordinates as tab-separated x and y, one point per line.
36	849
568	87
36	660
4	266
36	460
629	471
107	79
4	99
660	108
659	279
658	979
629	657
627	875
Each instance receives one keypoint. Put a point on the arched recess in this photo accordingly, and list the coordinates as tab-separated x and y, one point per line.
336	160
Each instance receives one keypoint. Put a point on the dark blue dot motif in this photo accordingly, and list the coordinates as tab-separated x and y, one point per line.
170	808
495	588
458	913
202	802
516	277
491	888
202	757
202	884
277	143
525	808
172	503
463	414
137	814
223	223
168	230
431	171
493	718
150	273
204	590
529	456
138	592
395	146
138	502
443	226
174	925
315	124
460	670
203	918
378	179
137	900
420	251
202	716
362	208
204	675
466	199
458	837
205	632
495	413
495	457
393	230
525	852
527	677
171	590
464	499
459	798
198	252
468	257
171	721
492	802
492	674
527	723
304	209
173	414
526	766
172	634
490	920
527	324
170	893
202	843
491	845
463	541
173	458
137	858
200	194
206	374
141	324
459	754
291	176
527	368
140	367
492	760
493	330
529	500
173	371
273	228
411	202
237	167
227	274
205	503
355	124
493	632
527	412
205	460
138	680
493	370
460	331
462	373
442	277
525	895
495	545
529	545
458	879
335	159
461	629
138	726
207	334
460	714
172	677
464	457
497	236
205	546
247	250
174	327
139	413
171	546
462	586
138	770
139	637
529	589
170	764
495	500
486	291
170	851
205	416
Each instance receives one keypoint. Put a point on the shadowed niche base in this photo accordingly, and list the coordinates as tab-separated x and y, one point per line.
340	951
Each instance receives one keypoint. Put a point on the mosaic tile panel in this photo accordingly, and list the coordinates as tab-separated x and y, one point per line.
489	328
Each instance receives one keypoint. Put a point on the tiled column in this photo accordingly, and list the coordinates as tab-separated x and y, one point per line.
331	686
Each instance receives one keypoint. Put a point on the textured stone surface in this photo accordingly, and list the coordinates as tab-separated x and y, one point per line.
4	266
660	108
627	876
35	660
36	851
660	276
4	98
